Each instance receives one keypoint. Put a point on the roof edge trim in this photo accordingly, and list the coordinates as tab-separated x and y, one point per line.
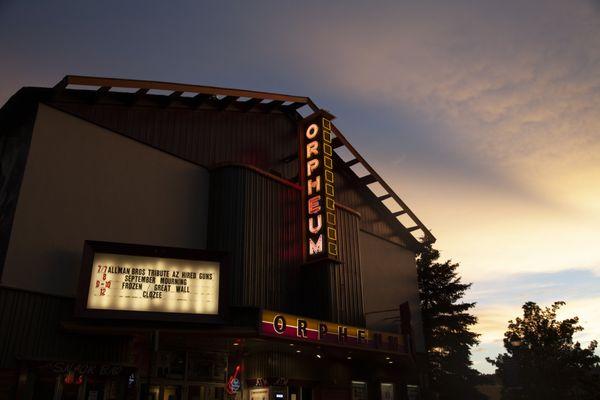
109	83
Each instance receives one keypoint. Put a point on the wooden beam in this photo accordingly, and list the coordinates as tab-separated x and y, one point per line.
352	162
270	106
136	96
134	83
367	179
428	235
166	101
398	213
249	104
200	99
336	142
312	105
62	84
384	197
226	102
296	105
95	96
413	228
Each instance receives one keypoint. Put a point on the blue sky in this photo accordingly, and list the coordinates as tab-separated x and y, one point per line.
482	115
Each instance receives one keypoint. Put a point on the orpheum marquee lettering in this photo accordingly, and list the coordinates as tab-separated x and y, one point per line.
318	179
293	327
140	283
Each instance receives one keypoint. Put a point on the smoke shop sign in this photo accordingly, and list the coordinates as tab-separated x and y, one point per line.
294	327
152	284
318	188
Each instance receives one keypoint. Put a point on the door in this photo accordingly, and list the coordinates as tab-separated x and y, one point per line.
205	392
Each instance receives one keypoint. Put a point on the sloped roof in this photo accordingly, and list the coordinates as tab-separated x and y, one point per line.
255	101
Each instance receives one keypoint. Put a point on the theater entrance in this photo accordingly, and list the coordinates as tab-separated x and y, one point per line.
179	391
185	375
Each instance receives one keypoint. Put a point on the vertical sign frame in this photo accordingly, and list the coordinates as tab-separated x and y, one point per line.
318	188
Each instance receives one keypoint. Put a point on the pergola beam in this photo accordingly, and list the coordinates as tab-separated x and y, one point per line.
178	87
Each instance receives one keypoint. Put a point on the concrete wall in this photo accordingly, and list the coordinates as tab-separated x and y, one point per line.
389	275
85	182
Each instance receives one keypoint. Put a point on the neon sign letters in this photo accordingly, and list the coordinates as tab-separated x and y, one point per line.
318	186
293	327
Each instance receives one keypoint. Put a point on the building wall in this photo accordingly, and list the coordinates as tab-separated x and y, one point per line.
30	329
258	220
212	137
16	123
345	281
82	182
204	136
389	274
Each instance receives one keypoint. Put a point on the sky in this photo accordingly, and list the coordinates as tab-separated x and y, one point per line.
483	116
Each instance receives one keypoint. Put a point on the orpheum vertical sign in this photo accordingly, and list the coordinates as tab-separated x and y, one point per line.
318	188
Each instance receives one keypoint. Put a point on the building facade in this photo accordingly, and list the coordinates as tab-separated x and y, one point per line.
169	241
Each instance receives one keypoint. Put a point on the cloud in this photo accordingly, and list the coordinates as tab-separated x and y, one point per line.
503	162
521	97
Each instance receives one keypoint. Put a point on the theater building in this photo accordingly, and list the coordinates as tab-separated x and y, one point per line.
172	241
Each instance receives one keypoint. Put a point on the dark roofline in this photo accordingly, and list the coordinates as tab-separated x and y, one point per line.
177	89
259	101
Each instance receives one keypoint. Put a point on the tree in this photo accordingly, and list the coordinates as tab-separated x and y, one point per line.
446	325
543	362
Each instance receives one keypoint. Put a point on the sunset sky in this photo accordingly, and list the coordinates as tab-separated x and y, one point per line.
484	116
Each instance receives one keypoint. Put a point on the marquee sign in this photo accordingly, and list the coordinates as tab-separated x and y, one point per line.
150	281
287	326
316	170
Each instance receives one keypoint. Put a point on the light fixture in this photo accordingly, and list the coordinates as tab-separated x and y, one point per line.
390	362
318	356
387	358
349	358
291	344
298	351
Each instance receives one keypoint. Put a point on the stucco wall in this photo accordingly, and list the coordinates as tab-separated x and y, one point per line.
389	274
85	182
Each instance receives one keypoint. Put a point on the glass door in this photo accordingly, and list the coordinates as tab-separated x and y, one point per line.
202	391
359	390
172	392
198	392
